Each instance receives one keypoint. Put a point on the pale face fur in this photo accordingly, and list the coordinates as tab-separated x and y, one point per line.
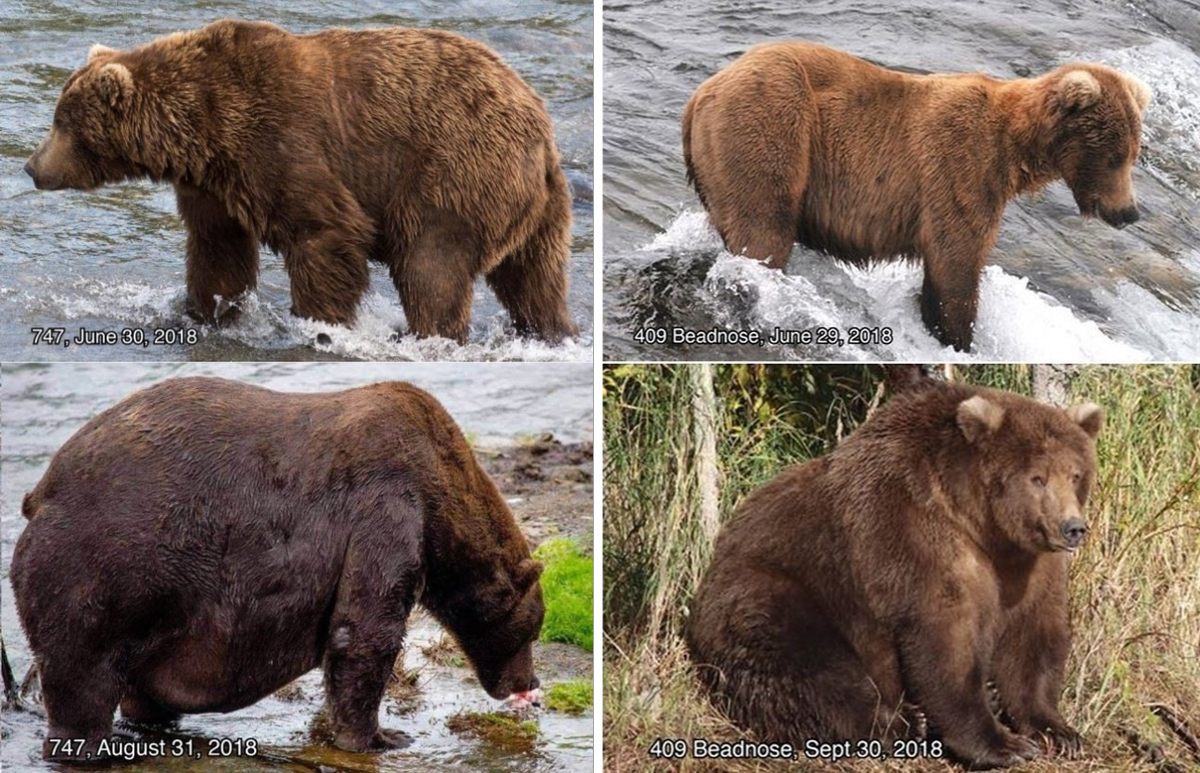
84	149
1098	138
1038	480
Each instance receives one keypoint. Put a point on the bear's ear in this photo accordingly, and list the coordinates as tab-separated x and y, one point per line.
1076	90
977	417
115	83
527	573
1089	416
98	51
1139	91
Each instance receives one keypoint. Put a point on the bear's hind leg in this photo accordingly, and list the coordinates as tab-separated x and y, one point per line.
222	256
325	241
435	277
748	147
531	282
777	667
80	694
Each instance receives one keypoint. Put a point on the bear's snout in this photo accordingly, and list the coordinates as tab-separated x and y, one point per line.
40	180
1073	531
1121	217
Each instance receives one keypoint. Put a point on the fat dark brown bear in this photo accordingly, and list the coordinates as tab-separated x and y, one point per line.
797	142
859	595
204	542
419	149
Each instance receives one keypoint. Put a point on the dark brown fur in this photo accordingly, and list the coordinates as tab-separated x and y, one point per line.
922	558
419	149
204	542
800	142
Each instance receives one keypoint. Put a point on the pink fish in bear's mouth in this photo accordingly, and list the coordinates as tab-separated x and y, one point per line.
525	699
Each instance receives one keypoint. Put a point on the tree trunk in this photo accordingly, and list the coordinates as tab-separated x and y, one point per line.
704	427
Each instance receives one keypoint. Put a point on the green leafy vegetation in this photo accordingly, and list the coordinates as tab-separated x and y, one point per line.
572	697
567	589
502	730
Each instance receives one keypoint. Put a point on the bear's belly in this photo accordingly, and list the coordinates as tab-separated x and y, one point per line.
228	656
860	217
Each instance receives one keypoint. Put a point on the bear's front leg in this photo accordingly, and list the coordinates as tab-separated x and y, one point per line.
366	631
944	665
1030	660
949	300
222	256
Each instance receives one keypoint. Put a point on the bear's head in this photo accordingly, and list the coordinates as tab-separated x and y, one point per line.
1096	127
499	640
1036	465
91	137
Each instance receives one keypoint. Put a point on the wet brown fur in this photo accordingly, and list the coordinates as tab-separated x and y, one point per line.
797	142
204	542
894	577
419	149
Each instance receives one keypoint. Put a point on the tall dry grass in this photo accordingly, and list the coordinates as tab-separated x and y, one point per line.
1135	585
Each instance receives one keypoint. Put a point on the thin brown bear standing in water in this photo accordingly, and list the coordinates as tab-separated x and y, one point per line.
797	142
418	149
924	557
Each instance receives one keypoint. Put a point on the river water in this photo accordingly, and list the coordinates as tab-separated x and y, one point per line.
44	404
112	259
1056	288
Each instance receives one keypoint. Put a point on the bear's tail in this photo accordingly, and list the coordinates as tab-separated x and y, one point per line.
31	503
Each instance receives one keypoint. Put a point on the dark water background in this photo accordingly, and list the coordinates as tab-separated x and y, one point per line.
1056	288
113	258
44	404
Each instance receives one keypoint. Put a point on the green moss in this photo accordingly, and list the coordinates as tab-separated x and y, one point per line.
572	697
499	729
567	588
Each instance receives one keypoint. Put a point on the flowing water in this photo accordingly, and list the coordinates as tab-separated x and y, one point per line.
1057	288
44	404
112	259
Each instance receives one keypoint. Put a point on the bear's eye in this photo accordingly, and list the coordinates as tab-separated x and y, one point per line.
1039	481
1075	478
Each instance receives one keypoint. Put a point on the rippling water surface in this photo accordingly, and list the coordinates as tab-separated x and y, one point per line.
112	259
1057	288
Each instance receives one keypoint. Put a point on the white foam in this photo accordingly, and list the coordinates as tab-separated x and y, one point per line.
1014	322
269	325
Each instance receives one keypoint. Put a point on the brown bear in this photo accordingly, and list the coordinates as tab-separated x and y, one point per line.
797	142
879	589
204	542
419	149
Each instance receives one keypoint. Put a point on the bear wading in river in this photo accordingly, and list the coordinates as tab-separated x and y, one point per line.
204	542
797	142
877	590
418	149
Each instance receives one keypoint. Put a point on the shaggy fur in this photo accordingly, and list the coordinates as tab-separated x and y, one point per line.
419	149
799	142
865	593
224	539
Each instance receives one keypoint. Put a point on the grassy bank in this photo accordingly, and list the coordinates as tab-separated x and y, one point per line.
1135	585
